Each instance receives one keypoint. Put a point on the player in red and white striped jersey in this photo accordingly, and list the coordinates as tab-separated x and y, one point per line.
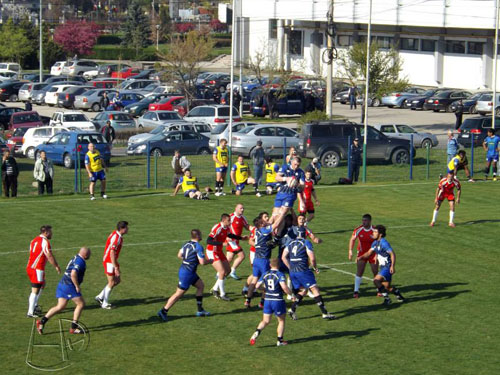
110	263
40	252
233	248
446	190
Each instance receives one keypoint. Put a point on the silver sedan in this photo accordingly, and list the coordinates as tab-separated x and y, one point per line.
154	118
420	139
272	137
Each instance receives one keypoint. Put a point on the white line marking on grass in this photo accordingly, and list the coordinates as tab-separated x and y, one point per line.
34	200
342	271
339	264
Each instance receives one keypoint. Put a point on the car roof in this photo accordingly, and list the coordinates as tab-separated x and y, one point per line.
70	112
25	112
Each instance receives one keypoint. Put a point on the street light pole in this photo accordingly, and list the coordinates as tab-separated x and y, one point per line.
495	57
40	53
157	35
367	82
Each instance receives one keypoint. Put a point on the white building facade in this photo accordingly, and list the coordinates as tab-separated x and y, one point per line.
444	43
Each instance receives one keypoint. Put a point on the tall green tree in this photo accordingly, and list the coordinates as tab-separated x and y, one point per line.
136	28
14	43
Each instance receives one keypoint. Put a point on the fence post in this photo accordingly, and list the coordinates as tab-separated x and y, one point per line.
148	153
471	155
284	150
229	166
349	157
156	171
428	161
411	157
77	162
76	170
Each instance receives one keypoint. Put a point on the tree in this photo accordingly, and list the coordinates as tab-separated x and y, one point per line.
217	26
136	29
385	68
14	43
165	23
77	37
183	57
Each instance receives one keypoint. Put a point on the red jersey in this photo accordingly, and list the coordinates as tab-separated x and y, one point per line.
364	237
39	249
308	189
252	236
447	187
237	224
114	242
219	234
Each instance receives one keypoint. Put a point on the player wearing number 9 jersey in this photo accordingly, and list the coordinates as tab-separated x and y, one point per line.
297	256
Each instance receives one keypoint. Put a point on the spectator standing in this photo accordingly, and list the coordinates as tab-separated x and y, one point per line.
10	171
291	154
180	164
452	147
44	173
27	106
104	102
352	93
236	98
356	160
459	111
108	132
315	168
259	159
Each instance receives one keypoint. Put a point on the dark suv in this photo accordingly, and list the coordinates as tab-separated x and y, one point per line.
329	141
479	127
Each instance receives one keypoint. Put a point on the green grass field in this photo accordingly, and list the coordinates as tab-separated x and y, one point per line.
449	276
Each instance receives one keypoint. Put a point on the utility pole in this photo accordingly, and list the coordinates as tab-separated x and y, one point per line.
41	52
367	84
240	19
495	54
329	72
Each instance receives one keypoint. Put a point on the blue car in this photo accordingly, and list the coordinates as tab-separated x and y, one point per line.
61	147
294	102
123	99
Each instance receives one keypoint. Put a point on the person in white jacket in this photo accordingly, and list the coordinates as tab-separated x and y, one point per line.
44	174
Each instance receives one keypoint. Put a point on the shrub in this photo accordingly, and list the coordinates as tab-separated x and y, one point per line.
315	115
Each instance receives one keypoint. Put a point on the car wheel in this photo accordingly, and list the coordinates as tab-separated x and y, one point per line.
403	104
330	159
204	151
448	109
400	156
435	110
497	112
222	89
426	142
67	161
13	98
376	102
390	106
96	107
472	109
156	152
275	114
30	153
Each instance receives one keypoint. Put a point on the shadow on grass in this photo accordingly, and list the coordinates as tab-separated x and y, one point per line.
131	323
483	221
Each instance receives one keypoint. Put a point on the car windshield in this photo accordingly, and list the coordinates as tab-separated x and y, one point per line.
124	70
219	129
75	117
168	116
3	66
19	132
405	129
247	130
151	87
121	117
476	96
486	97
224	111
89	93
443	94
472	123
38	86
158	130
29	117
158	89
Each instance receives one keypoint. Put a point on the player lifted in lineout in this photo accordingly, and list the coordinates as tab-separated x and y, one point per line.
446	190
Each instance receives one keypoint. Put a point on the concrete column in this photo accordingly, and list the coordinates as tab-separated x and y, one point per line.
315	48
438	61
281	44
488	51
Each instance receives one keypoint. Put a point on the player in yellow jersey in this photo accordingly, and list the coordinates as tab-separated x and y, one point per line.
189	185
272	170
221	158
241	175
459	162
94	164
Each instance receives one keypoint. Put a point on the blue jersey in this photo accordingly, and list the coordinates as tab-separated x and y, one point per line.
191	251
271	280
287	171
492	144
78	264
297	254
262	236
383	250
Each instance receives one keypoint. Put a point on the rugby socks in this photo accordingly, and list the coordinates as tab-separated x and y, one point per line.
452	216
383	291
298	298
38	296
164	310
74	324
321	304
101	295
357	282
44	320
280	338
107	292
257	333
434	215
397	292
221	287
199	303
32	303
233	270
217	187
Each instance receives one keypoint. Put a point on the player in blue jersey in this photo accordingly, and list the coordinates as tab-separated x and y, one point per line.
192	254
292	180
69	289
297	256
491	146
302	231
386	258
274	284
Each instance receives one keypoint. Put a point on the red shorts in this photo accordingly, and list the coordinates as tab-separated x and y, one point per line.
372	259
216	255
450	197
36	276
233	246
309	207
109	269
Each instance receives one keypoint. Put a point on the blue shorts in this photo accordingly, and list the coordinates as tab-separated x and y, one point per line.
284	200
241	186
98	176
260	267
385	272
186	279
66	291
304	279
221	169
491	158
277	308
186	194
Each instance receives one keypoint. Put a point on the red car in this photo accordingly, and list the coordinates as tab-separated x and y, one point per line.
181	108
19	123
126	73
166	104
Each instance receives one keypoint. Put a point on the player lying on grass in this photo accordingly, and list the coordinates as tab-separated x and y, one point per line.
191	254
190	188
387	261
446	190
275	285
69	289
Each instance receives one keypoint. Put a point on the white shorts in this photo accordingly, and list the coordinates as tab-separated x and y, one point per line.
252	256
110	269
40	276
210	254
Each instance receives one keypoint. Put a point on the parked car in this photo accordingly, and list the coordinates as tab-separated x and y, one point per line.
470	104
145	74
10	90
91	99
78	67
57	68
153	119
477	126
6	114
166	104
3	145
15	138
35	78
181	107
123	99
72	119
244	141
373	100
160	89
188	143
36	136
106	70
484	105
443	99
120	121
53	93
221	131
342	96
125	73
328	141
107	83
66	99
66	79
400	99
20	122
212	114
141	107
217	81
420	139
142	137
25	90
200	77
149	89
293	102
61	148
135	84
89	75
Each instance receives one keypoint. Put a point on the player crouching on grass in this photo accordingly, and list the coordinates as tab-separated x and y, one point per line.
387	261
275	285
272	170
189	185
191	254
446	190
69	289
241	176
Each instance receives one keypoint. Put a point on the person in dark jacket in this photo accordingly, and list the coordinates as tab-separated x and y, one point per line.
356	160
459	112
108	132
104	102
10	171
27	106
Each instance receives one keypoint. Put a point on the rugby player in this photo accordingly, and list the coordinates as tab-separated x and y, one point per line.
221	158
95	166
190	188
446	190
241	176
233	248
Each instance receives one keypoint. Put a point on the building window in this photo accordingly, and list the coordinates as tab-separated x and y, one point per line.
475	48
384	42
455	46
344	40
295	42
273	29
408	44
428	45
